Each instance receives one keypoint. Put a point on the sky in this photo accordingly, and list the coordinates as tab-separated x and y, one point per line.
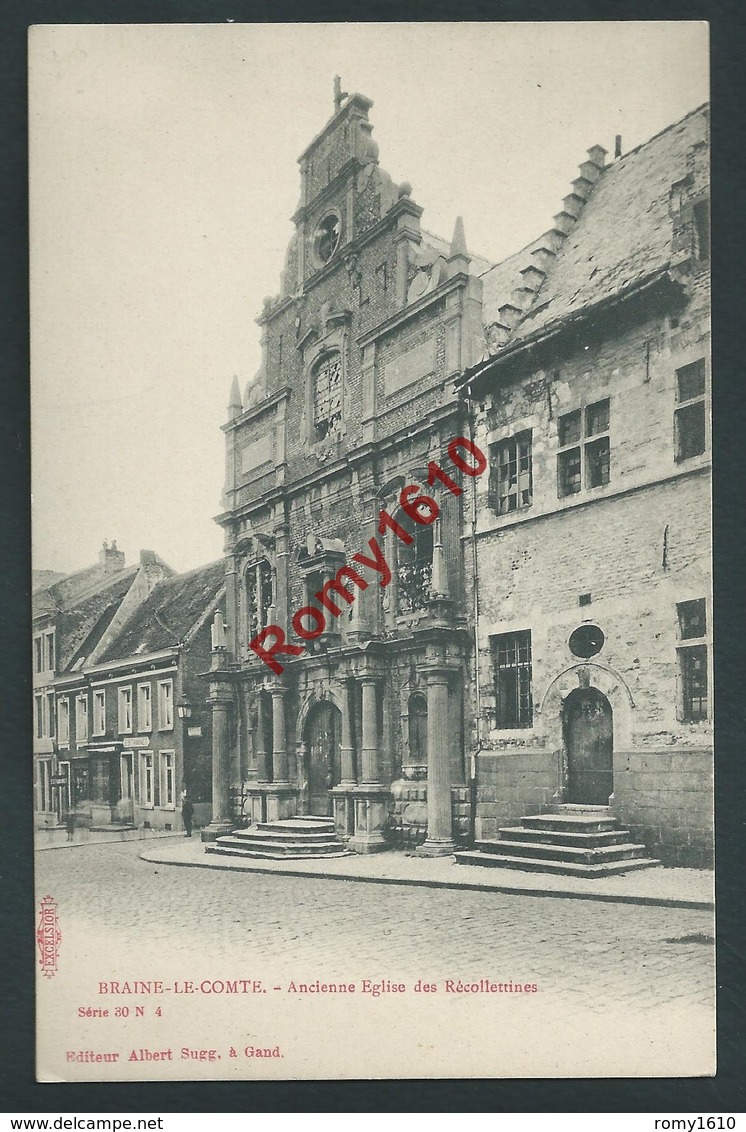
163	174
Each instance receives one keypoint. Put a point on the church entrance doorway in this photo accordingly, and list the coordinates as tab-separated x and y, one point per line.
324	768
589	742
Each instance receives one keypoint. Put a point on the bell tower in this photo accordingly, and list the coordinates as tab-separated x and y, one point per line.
325	219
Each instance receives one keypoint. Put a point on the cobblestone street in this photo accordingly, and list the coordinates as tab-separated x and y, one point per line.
594	951
594	964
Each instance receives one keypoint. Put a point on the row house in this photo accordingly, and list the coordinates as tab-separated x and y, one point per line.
130	731
70	614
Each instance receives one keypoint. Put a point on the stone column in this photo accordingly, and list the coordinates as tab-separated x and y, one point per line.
347	750
344	798
279	754
371	796
439	822
263	772
282	798
369	752
220	700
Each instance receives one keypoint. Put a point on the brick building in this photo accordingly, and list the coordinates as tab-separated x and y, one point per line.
593	529
121	725
581	537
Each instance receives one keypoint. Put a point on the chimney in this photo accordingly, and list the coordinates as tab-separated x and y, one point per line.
617	146
110	557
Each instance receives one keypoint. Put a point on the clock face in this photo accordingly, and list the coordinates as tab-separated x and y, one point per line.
326	238
586	641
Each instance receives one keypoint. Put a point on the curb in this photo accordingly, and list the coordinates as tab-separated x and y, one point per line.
103	841
474	886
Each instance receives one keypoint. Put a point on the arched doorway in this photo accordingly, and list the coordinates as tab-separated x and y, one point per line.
589	741
323	761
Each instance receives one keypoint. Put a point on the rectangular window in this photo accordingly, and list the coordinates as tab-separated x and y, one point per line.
701	217
693	660
570	428
49	651
597	462
99	711
45	788
146	778
585	459
81	719
512	665
167	780
693	663
38	654
125	710
691	381
39	716
50	718
165	705
144	708
63	720
597	418
692	619
690	418
568	472
512	473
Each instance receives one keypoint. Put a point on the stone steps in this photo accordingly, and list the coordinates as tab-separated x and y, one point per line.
568	841
532	865
565	837
292	838
584	855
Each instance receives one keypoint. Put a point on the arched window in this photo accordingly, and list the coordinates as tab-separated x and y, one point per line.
417	724
259	595
327	397
415	573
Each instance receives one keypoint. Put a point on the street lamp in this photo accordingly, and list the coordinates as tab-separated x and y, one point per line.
184	712
184	708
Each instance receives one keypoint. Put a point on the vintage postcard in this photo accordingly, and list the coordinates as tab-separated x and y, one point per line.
372	622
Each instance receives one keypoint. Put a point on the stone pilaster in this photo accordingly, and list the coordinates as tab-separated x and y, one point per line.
371	797
282	798
279	753
369	745
263	771
220	701
439	822
347	750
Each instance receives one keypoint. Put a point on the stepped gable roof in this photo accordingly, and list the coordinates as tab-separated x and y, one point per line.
498	282
80	627
169	613
43	579
624	233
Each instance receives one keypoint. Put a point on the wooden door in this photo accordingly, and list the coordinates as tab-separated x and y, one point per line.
322	746
589	739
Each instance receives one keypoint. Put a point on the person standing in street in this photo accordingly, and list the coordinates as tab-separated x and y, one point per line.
70	824
187	812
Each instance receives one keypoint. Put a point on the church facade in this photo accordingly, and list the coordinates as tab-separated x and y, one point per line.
434	476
